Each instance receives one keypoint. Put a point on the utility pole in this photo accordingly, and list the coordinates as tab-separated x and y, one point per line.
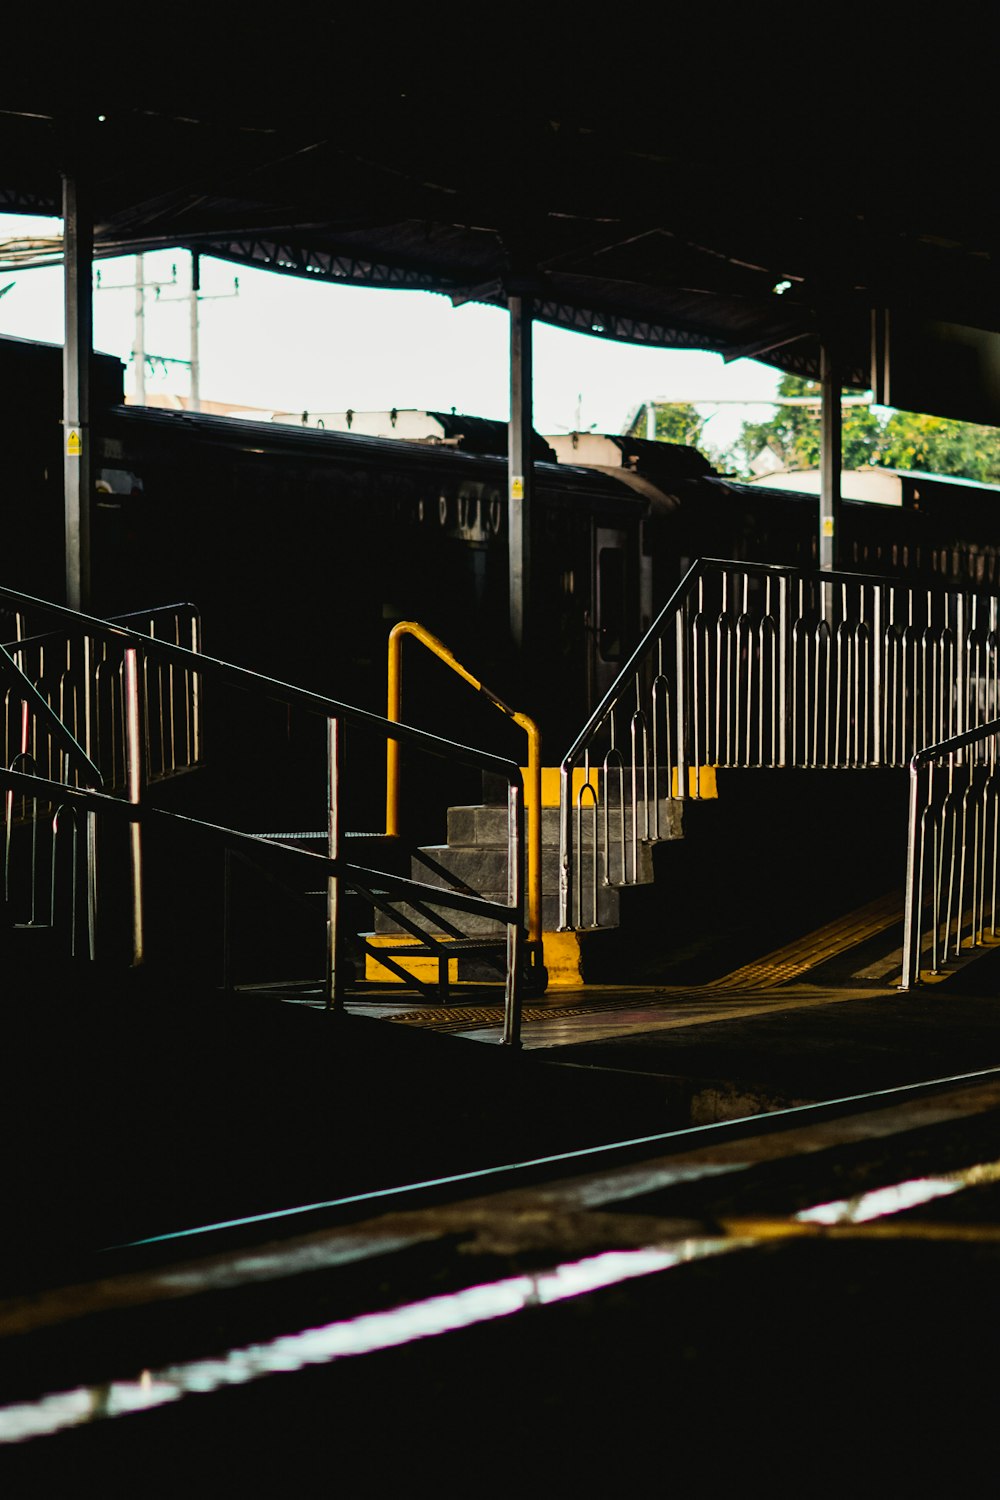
139	344
195	356
140	286
194	298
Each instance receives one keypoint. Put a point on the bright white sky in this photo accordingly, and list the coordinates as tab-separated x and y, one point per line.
289	344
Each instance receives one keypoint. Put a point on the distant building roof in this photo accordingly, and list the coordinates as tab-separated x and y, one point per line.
622	451
871	482
168	401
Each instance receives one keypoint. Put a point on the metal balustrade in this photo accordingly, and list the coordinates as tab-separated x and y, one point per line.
752	665
80	675
65	719
134	699
952	853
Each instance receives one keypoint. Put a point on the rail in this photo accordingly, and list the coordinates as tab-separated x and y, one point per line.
751	664
531	730
144	658
79	674
34	705
258	849
64	711
952	849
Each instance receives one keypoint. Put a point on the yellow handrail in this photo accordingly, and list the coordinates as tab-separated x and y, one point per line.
534	799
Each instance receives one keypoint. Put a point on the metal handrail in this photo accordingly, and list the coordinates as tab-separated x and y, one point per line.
29	694
356	877
129	620
758	664
335	713
672	609
270	687
74	675
534	812
939	844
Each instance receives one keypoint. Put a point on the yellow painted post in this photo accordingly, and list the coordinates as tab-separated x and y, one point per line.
533	791
534	881
392	746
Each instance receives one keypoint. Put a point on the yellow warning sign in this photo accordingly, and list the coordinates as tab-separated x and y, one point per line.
828	526
74	443
517	487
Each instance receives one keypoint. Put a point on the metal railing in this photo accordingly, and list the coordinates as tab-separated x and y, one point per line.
80	675
952	850
38	890
65	718
146	659
528	725
757	665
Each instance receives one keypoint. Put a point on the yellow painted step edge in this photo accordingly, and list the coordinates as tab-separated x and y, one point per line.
701	783
560	955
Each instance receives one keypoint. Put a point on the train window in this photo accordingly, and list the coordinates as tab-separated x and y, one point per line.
610	602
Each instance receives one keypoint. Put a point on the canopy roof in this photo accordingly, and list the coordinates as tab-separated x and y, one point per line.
649	190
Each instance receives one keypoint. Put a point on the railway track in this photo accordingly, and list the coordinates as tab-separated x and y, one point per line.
478	1295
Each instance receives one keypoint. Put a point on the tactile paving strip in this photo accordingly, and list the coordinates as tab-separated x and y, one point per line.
816	947
748	982
463	1018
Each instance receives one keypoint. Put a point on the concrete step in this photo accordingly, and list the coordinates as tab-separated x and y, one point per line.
474	926
485	825
485	870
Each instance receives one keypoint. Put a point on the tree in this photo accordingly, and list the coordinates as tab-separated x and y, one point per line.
938	445
794	432
897	440
676	422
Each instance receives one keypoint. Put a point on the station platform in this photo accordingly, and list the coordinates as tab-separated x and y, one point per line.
819	1017
749	1228
186	1105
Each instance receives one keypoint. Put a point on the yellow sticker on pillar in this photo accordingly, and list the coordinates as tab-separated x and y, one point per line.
74	443
517	487
828	526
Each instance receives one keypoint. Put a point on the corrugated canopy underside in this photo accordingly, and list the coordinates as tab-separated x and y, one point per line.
652	191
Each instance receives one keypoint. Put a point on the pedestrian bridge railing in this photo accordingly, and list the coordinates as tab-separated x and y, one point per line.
96	710
952	848
754	665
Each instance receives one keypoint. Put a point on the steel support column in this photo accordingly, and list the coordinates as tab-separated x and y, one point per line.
195	352
78	341
519	476
830	460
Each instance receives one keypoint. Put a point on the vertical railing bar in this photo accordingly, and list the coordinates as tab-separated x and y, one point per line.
334	978
135	760
681	706
911	909
515	928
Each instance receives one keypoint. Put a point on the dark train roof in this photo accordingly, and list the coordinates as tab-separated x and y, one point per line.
486	436
32	378
152	426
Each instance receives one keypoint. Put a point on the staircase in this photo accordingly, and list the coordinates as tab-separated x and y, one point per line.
754	671
474	856
126	860
746	772
748	761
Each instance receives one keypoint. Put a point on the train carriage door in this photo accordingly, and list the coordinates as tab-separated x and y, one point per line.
611	635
